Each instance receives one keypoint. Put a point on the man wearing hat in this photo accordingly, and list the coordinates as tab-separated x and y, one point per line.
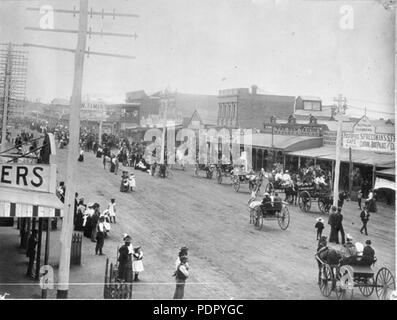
125	264
100	236
181	274
183	252
368	253
364	216
320	227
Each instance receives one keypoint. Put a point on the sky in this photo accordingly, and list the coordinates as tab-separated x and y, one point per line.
287	47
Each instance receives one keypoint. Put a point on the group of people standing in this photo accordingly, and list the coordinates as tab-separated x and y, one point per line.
94	224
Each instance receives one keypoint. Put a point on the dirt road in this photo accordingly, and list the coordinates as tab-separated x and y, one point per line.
229	258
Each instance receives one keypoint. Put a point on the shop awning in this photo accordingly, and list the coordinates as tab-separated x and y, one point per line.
284	142
387	172
26	204
358	156
384	184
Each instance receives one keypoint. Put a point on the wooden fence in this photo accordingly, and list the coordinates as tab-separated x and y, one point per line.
75	252
113	287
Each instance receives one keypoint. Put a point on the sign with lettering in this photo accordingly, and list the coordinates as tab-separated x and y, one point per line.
364	126
364	137
295	129
36	177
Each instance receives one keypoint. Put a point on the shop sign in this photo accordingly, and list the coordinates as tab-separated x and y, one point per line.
33	177
364	137
294	130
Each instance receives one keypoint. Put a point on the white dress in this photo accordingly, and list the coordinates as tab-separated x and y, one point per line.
112	209
137	265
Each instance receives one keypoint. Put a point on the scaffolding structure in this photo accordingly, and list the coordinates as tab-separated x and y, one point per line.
13	74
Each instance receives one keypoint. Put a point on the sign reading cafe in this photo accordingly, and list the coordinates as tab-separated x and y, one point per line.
364	137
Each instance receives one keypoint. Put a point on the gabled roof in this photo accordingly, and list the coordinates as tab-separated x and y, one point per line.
135	95
310	98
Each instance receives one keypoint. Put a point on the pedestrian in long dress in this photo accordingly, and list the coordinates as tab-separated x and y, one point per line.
94	222
112	210
125	260
131	182
137	264
181	274
87	224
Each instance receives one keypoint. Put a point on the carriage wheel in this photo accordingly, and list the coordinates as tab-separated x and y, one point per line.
219	176
344	286
305	201
325	283
368	287
269	187
283	218
252	215
384	283
236	184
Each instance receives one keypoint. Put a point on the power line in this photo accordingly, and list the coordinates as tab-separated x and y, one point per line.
369	110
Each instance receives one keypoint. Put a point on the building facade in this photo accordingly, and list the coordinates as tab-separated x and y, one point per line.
240	108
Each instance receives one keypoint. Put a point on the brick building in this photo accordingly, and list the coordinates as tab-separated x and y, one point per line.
240	108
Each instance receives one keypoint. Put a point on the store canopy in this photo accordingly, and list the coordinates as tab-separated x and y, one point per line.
387	172
284	142
26	204
358	156
384	184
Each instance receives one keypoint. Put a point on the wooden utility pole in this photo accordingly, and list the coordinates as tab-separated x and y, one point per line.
350	171
74	129
74	124
340	100
164	127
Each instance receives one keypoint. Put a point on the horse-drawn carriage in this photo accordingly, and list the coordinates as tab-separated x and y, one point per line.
223	170
208	168
253	180
309	192
342	279
269	211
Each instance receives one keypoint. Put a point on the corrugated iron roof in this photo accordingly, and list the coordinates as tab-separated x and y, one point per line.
358	156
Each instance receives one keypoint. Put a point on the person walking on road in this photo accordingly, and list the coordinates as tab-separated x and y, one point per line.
364	219
181	274
359	198
112	210
100	236
320	227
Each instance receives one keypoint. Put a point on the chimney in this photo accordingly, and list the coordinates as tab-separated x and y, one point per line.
254	89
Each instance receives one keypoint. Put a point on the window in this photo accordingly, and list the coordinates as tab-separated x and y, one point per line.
312	105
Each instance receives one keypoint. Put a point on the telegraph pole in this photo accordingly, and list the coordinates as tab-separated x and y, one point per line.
74	125
340	101
74	129
164	127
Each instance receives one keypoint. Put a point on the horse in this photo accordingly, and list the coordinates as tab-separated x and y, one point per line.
291	192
